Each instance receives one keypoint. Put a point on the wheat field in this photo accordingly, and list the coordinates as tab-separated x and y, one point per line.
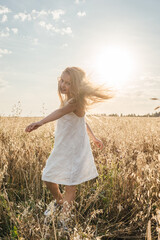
122	203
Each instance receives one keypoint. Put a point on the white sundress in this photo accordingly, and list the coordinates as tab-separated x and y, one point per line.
71	161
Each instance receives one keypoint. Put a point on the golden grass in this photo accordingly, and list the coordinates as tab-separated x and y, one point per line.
123	201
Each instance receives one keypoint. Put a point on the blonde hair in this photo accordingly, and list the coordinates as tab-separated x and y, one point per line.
83	92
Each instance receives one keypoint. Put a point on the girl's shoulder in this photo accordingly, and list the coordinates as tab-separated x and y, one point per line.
71	100
77	111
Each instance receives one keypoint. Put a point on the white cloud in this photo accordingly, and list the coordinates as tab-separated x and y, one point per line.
35	14
5	32
4	10
79	1
14	30
29	16
64	45
81	14
42	12
42	23
66	30
50	27
57	13
35	41
4	51
23	17
4	18
39	13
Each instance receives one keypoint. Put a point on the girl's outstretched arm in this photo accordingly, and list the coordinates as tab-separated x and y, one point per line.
98	142
59	113
69	107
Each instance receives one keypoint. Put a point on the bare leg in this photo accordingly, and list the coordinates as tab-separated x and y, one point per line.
54	189
69	196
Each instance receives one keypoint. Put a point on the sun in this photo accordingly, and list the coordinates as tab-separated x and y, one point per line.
114	65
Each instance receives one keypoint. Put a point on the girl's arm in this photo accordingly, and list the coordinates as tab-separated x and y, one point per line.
52	117
90	132
58	113
97	142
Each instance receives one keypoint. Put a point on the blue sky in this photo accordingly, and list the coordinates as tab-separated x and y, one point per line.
39	39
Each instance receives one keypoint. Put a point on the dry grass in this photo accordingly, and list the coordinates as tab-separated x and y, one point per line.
122	202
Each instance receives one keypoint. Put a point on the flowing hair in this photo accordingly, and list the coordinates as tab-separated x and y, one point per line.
82	91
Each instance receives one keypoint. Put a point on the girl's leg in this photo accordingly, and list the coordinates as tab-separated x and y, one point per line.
54	189
69	196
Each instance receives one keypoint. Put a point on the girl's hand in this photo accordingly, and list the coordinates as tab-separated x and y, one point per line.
33	126
98	143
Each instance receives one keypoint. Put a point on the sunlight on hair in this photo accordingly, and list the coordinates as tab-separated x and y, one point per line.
84	92
157	108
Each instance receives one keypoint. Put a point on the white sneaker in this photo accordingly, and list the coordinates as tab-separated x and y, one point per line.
51	208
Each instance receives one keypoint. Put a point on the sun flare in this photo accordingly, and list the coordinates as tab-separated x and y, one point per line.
114	65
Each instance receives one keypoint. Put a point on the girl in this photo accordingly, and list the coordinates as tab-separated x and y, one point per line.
71	161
